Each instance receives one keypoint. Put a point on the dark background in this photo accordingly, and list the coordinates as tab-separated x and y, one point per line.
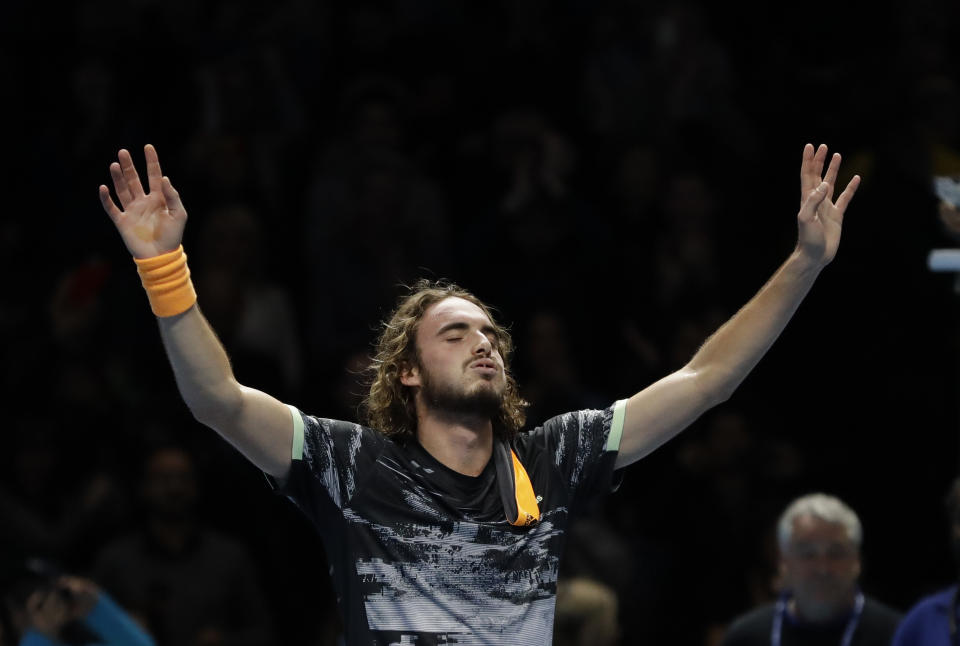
617	178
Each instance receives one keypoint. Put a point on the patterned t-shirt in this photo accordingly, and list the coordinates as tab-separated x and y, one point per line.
424	555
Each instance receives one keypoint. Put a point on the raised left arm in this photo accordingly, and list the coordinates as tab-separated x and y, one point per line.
663	409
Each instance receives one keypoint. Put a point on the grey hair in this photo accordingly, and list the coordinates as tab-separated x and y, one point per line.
825	507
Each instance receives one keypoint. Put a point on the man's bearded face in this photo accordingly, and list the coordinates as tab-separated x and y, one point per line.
481	398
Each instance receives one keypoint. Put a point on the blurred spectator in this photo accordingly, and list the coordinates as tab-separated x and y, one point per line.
728	476
253	315
688	239
246	99
41	607
618	86
932	621
55	506
697	82
549	370
374	113
348	128
935	102
85	356
635	188
949	219
597	551
521	219
586	614
821	602
372	216
191	585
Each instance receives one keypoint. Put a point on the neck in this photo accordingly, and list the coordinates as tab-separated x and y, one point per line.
463	443
818	613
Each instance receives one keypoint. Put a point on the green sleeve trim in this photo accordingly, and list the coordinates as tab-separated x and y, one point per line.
616	427
296	452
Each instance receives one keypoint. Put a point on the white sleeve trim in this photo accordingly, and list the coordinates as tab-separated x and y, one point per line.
296	451
616	426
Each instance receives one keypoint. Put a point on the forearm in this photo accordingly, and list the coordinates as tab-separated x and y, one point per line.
666	407
728	356
258	425
201	367
151	225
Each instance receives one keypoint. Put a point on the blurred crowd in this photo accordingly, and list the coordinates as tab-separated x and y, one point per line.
616	177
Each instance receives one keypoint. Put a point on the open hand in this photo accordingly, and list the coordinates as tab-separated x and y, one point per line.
820	219
69	599
47	611
82	593
150	223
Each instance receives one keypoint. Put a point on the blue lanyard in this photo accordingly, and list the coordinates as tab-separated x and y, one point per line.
781	611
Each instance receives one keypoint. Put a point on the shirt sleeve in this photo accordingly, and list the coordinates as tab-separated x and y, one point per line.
328	460
922	625
584	446
33	638
114	626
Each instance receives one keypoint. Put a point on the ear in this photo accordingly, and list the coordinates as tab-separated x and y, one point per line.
410	375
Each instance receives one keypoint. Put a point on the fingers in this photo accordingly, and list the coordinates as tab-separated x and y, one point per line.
805	174
153	167
170	195
809	209
108	204
126	182
83	592
816	168
35	601
47	604
130	174
120	185
811	170
847	194
831	177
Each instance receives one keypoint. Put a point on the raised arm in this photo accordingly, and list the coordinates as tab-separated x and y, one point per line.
151	225
663	409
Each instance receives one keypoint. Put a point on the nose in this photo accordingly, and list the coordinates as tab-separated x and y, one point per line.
483	346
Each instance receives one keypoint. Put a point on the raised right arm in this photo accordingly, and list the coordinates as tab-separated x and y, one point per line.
151	225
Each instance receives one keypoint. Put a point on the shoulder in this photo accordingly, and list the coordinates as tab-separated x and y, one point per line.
348	436
881	611
582	418
315	423
937	603
337	454
879	622
573	424
750	627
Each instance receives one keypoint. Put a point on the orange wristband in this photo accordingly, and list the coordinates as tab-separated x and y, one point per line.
167	281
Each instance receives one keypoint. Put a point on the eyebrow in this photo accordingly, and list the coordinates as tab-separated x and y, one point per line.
461	325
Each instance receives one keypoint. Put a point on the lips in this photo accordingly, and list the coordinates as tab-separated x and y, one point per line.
486	364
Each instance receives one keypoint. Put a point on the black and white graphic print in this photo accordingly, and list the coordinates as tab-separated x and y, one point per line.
410	565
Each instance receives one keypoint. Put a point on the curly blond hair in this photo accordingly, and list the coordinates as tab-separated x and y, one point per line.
389	405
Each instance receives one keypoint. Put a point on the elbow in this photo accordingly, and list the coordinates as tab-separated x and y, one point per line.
722	395
203	414
715	386
215	408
